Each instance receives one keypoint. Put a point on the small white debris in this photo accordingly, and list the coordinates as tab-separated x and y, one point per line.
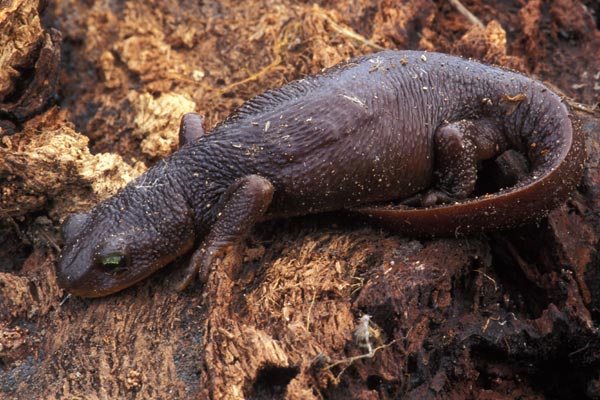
198	75
363	334
355	100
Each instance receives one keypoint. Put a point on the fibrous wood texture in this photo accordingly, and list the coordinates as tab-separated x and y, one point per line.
91	94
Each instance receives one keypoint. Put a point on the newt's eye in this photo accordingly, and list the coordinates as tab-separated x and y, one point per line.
115	262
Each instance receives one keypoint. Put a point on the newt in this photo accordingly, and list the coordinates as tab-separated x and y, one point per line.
389	126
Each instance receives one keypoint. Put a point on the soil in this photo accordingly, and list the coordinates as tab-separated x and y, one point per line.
326	307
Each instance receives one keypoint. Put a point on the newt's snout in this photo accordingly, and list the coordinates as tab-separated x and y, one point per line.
81	272
73	276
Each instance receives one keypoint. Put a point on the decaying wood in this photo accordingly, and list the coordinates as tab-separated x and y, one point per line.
29	60
324	307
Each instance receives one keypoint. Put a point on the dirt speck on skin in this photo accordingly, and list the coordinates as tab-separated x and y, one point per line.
91	94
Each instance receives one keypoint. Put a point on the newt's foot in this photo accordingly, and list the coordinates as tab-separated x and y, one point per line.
435	197
431	198
204	260
415	200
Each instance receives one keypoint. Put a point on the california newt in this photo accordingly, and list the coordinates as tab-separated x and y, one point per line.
386	126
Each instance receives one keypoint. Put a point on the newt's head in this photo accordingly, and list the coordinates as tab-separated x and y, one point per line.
117	243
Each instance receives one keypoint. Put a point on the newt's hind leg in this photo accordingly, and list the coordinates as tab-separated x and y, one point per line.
459	146
242	205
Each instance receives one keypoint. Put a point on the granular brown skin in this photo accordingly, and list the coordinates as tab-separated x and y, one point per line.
377	128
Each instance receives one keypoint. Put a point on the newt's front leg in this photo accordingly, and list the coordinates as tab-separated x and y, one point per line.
242	205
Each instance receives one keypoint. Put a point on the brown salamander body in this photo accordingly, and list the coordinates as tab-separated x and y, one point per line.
386	126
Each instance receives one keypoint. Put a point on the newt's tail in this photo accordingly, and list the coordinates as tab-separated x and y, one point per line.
557	166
